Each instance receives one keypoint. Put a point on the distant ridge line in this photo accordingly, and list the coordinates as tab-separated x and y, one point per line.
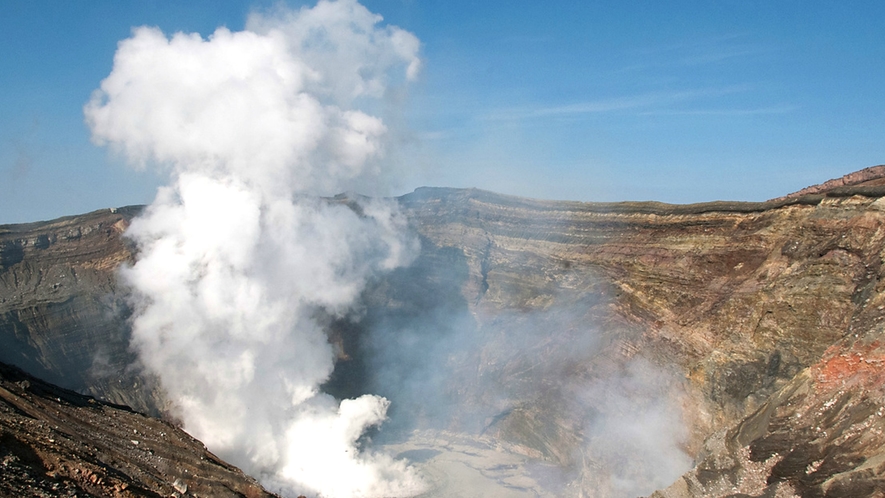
868	182
444	194
874	176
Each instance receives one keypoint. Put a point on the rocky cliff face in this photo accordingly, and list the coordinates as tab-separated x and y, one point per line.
54	442
746	301
759	322
61	315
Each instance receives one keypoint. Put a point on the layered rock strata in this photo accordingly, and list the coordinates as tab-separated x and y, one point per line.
765	318
62	315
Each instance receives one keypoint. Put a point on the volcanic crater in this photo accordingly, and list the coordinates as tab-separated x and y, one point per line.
549	333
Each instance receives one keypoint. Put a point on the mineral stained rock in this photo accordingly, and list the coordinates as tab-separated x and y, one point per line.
769	315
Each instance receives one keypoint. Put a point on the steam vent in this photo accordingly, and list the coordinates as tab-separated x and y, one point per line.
520	348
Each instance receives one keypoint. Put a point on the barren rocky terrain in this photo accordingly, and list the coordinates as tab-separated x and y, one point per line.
758	324
54	442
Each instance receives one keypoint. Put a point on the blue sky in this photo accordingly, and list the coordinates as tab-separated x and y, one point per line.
595	101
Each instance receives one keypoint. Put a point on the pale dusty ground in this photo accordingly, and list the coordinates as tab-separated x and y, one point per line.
459	467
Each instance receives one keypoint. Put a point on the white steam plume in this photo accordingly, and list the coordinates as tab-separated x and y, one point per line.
237	257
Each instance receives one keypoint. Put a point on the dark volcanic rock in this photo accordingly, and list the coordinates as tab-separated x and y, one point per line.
54	442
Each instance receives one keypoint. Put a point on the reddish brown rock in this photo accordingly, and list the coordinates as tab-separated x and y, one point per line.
874	176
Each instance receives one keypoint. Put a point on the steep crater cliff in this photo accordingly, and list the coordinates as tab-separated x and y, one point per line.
756	324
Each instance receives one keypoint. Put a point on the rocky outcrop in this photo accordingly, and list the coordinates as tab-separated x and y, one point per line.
865	179
763	319
62	316
54	442
822	434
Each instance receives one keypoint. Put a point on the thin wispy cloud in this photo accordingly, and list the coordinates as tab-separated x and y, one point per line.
716	56
526	39
23	151
432	135
641	102
697	52
772	110
710	49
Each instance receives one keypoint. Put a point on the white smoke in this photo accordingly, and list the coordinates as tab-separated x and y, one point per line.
238	257
636	431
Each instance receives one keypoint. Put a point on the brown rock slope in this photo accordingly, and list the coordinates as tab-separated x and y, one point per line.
54	442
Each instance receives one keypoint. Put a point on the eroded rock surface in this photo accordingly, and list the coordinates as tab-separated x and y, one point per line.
63	317
54	442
